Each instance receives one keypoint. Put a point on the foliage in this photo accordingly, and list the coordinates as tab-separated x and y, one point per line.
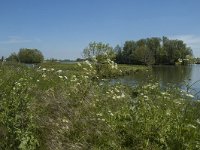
153	51
30	56
99	50
26	55
51	108
13	57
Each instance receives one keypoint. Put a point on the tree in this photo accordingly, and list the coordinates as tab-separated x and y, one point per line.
30	55
100	51
154	47
154	50
143	54
13	57
128	52
118	52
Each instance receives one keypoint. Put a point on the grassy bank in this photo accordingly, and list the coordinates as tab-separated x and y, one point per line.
54	107
122	69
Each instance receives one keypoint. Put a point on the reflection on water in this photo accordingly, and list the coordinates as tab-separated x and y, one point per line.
176	75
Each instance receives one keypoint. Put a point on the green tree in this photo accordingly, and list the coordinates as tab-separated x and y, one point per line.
13	57
128	52
143	53
154	46
100	51
30	55
118	52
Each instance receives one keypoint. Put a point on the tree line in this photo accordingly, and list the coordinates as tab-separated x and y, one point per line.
153	51
149	51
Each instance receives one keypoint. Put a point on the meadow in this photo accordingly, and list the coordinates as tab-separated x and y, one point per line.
74	106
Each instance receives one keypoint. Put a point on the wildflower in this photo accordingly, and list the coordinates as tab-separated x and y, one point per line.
44	69
168	112
163	93
198	121
44	75
86	77
99	114
178	102
65	77
118	97
117	90
191	126
60	77
18	84
65	120
190	95
79	64
59	71
52	69
85	69
122	96
38	80
114	97
88	63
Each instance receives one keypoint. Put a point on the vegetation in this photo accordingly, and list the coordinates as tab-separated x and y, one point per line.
55	106
28	56
49	108
153	51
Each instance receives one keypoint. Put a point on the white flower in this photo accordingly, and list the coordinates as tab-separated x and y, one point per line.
65	120
86	77
99	114
65	77
122	96
44	69
168	112
59	71
88	63
85	69
118	97
191	126
52	69
190	95
79	64
44	75
60	77
198	121
38	80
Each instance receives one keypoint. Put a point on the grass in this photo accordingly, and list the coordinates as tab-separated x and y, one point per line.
71	106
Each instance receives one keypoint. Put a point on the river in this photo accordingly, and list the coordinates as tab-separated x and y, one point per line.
180	76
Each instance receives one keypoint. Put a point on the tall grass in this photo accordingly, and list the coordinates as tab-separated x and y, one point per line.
51	108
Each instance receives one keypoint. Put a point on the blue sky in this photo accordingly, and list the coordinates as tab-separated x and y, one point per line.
63	28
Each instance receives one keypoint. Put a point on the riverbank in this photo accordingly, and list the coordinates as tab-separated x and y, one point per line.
122	69
49	107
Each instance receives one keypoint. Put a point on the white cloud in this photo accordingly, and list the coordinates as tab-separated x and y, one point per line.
15	40
192	41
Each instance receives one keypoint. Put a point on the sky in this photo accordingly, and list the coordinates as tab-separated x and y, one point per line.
61	29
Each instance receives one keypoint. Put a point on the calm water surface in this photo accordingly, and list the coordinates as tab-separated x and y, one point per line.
176	75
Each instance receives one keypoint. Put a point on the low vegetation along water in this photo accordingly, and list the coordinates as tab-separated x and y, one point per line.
60	107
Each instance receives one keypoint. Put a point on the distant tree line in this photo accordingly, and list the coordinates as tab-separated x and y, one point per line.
25	55
152	51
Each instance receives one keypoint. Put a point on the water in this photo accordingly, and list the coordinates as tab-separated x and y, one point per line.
180	76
